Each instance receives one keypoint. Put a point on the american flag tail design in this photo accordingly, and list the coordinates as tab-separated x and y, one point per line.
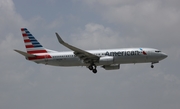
31	44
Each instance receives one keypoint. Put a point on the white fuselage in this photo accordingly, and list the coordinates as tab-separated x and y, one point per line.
118	56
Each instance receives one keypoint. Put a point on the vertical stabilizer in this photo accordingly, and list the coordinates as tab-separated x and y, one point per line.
31	44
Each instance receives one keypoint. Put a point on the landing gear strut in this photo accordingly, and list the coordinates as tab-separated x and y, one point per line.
93	68
152	64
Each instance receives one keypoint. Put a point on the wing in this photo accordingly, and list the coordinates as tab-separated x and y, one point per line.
83	55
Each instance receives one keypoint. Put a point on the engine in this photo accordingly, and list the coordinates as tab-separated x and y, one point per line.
111	67
106	60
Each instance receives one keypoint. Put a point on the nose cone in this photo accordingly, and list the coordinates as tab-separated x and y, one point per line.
164	55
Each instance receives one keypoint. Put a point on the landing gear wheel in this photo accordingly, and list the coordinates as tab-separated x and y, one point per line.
90	67
152	66
94	70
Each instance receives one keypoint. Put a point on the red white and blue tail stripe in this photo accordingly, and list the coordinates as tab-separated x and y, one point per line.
31	44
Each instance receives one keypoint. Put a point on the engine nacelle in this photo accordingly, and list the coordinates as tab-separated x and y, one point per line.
111	67
106	60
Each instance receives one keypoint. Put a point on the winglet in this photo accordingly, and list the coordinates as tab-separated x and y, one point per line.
25	54
59	38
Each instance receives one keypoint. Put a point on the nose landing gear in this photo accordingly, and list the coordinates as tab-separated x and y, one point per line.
152	64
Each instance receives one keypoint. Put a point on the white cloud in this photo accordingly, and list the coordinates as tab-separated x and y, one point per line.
97	36
9	18
55	23
150	14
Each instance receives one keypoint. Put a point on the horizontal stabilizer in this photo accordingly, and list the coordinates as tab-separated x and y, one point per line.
25	54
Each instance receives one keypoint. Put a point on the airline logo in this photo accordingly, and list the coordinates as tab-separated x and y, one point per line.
33	46
143	52
126	53
122	53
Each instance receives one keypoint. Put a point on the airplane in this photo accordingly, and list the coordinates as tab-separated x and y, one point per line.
109	59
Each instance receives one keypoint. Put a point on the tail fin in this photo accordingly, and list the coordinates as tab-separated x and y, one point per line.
31	44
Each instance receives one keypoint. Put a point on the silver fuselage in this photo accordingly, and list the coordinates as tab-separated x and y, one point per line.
120	56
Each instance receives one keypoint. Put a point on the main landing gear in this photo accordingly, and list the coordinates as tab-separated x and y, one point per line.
152	66
93	68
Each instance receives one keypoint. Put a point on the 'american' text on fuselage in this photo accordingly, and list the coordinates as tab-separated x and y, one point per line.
122	53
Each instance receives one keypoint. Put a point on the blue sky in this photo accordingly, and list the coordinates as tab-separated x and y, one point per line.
90	24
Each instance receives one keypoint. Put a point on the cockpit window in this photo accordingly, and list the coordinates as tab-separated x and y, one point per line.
157	51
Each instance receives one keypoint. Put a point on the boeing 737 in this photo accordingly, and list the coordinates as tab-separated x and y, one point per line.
109	59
